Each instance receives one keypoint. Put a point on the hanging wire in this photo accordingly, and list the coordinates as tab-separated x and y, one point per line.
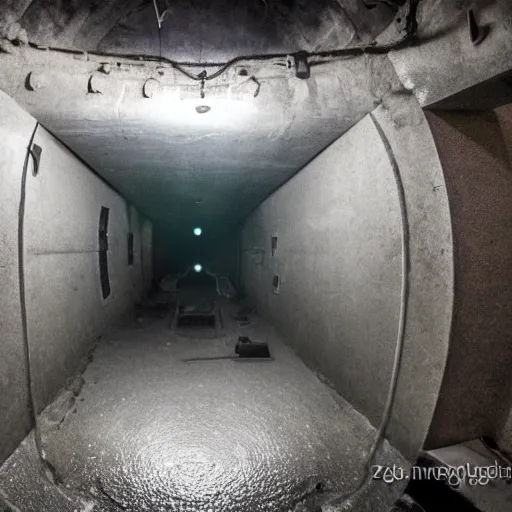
159	20
159	17
316	57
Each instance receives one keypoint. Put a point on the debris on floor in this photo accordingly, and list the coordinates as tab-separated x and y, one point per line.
246	347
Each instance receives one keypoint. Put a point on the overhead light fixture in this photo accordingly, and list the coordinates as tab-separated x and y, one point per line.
203	109
169	108
198	267
198	231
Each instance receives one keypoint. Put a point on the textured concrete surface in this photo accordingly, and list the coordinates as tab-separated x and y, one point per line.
148	431
182	168
445	62
214	169
333	252
194	30
16	129
339	253
24	488
479	183
65	310
431	271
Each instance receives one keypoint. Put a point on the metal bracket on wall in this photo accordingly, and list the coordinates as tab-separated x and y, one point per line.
302	69
36	152
103	251
273	244
477	33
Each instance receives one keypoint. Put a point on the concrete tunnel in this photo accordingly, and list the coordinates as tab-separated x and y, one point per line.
255	256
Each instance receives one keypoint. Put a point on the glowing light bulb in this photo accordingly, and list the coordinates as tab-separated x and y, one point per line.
198	267
198	231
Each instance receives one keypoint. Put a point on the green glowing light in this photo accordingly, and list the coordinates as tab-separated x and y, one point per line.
198	267
197	231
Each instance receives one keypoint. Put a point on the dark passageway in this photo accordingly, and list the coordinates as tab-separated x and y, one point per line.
255	256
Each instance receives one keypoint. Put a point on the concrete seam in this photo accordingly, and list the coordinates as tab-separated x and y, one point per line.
404	292
404	298
23	309
21	277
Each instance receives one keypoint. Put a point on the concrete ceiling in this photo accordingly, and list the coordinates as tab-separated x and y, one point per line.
178	166
197	30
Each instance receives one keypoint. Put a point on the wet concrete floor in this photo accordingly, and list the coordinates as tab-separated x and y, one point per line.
148	431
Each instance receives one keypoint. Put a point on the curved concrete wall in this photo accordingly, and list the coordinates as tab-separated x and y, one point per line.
65	308
16	128
339	261
64	305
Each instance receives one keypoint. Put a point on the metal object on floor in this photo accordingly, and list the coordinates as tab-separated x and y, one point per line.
197	320
245	348
193	319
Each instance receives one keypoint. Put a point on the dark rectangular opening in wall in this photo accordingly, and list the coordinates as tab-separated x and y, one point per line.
275	284
103	252
273	245
130	249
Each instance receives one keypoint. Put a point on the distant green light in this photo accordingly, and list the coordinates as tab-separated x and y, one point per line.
197	231
198	267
